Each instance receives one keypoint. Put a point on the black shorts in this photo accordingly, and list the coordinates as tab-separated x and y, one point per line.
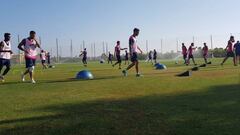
230	54
5	62
237	53
84	59
134	57
119	58
30	62
154	58
43	61
190	56
126	58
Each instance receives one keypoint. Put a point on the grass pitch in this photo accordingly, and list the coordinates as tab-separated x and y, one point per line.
207	103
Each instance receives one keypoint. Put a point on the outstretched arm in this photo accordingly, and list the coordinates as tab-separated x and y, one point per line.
81	53
124	48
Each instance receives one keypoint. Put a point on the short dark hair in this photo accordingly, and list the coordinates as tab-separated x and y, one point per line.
136	30
32	32
118	42
6	34
232	37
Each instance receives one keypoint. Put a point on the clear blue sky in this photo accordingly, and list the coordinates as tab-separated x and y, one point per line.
111	20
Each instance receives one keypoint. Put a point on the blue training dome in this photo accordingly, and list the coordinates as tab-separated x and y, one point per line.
84	75
161	67
157	64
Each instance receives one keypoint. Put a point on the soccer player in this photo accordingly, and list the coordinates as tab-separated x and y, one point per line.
155	56
110	57
237	52
5	55
205	52
230	52
117	54
133	48
190	54
43	56
29	46
150	58
84	58
48	58
184	53
126	57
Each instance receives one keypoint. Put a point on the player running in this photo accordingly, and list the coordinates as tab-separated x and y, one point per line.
190	54
184	53
237	52
43	56
133	53
205	52
230	52
5	55
117	54
84	58
126	57
29	46
155	56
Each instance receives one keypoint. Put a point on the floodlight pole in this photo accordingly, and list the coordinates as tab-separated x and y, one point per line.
91	51
83	45
103	47
71	49
106	48
19	53
147	46
40	41
161	46
177	44
211	38
57	50
94	49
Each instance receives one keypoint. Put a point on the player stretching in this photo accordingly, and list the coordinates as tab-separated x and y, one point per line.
133	53
29	46
5	55
190	54
230	52
84	59
205	52
117	54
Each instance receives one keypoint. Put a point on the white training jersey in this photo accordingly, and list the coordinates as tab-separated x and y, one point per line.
43	56
31	47
134	44
6	47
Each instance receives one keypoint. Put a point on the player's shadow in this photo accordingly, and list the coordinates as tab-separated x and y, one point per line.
211	111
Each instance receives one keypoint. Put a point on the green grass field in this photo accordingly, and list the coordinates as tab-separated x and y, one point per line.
207	103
